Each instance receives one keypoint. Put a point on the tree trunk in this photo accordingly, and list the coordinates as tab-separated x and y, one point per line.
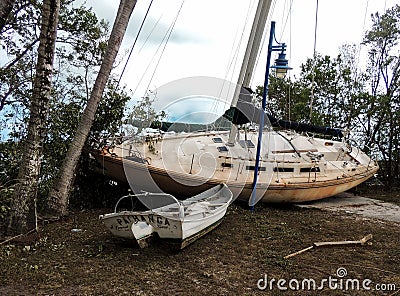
59	194
23	207
5	10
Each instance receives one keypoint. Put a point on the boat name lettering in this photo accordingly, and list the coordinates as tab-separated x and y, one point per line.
150	219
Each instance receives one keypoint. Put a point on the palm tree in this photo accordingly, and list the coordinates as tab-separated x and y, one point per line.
58	197
23	206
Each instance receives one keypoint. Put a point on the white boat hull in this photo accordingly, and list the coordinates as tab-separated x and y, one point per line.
200	217
276	185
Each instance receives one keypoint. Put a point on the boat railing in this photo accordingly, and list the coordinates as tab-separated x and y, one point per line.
161	206
122	198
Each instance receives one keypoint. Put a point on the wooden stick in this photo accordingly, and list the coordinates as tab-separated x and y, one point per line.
299	252
339	243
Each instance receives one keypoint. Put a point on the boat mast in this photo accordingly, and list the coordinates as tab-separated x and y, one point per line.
250	57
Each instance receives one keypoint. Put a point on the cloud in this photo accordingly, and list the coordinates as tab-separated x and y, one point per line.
155	30
156	26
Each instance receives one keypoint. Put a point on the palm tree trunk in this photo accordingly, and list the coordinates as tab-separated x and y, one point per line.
23	207
58	197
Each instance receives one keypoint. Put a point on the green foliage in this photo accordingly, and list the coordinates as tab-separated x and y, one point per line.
90	188
93	190
366	102
383	122
110	111
83	34
63	119
344	96
6	194
286	99
144	116
10	160
81	42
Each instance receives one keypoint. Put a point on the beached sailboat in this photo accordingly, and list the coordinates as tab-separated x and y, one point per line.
179	222
294	165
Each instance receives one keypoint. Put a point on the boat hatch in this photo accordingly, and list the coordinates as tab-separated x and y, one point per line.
328	144
226	165
222	149
283	170
217	140
252	168
246	144
311	169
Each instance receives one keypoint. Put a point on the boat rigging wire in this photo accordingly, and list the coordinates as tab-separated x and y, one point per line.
363	29
134	43
151	60
290	58
272	9
358	60
150	33
234	55
314	57
165	45
166	36
289	14
286	19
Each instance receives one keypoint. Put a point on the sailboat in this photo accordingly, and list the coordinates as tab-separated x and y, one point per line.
293	165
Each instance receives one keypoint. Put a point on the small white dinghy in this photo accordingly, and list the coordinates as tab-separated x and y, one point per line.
180	222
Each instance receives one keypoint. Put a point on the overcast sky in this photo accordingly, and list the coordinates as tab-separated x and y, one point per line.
209	36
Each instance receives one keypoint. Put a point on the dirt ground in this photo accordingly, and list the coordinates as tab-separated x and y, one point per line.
243	256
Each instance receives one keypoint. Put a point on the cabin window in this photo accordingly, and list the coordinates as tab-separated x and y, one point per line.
226	165
246	144
222	149
283	170
217	140
252	168
310	170
328	144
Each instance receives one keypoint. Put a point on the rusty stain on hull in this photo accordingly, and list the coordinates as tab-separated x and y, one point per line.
275	192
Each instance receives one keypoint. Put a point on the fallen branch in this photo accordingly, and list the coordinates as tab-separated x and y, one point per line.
339	243
298	252
358	242
19	235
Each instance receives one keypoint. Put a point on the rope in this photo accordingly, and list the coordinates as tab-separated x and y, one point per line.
313	69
